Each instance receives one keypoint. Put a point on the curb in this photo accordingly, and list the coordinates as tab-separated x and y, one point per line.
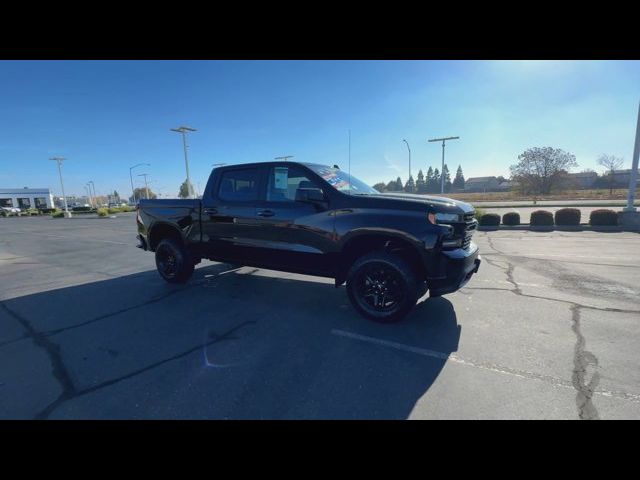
562	228
531	205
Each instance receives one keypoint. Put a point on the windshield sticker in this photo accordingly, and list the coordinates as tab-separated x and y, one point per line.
332	177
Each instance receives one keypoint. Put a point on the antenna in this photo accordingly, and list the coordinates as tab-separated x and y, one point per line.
349	161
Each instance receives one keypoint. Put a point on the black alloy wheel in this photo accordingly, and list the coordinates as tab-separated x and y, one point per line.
173	261
382	287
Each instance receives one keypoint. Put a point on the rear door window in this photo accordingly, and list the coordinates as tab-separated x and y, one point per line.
239	185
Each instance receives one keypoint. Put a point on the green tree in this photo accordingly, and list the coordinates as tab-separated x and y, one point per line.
458	182
436	181
142	193
540	170
410	186
185	190
429	181
447	178
381	187
421	186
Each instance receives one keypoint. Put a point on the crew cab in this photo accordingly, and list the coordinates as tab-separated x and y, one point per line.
389	248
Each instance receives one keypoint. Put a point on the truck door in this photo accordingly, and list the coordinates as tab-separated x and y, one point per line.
229	223
298	233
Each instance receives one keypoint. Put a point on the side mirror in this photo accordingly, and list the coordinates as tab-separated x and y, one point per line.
311	195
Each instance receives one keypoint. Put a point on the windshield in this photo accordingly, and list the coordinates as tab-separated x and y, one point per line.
342	181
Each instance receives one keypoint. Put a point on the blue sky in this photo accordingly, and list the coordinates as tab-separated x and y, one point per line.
106	116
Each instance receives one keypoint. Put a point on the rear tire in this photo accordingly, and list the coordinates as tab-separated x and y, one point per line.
382	287
173	261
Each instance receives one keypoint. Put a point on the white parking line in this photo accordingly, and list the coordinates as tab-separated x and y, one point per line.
558	382
72	238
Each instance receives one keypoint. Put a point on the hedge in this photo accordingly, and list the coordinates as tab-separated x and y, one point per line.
567	216
511	218
479	213
603	217
58	214
541	217
490	220
103	212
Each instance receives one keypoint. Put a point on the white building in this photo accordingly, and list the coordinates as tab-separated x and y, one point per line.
24	198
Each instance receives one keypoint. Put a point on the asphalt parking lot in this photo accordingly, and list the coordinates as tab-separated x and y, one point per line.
548	328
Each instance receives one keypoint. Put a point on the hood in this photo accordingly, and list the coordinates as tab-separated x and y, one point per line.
439	204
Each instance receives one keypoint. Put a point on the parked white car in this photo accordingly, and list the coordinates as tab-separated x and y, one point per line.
10	210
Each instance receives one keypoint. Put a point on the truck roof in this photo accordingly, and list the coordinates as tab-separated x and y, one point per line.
272	162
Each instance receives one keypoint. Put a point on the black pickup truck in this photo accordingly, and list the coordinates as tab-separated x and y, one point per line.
389	248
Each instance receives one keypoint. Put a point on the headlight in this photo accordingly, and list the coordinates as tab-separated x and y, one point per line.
447	217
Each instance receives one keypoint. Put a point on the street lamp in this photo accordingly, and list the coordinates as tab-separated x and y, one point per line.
88	188
91	184
183	130
442	171
146	185
633	180
59	160
409	156
133	190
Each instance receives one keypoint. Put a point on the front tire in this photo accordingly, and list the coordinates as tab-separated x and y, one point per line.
382	287
173	261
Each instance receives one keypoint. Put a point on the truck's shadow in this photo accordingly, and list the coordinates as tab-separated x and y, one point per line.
297	348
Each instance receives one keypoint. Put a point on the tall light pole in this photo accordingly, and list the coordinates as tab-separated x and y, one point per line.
442	171
133	190
91	184
183	130
283	158
59	160
633	181
88	188
409	156
146	185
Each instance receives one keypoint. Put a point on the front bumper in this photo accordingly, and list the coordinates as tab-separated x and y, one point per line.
459	266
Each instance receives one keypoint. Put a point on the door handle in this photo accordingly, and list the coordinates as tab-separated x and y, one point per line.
211	211
266	213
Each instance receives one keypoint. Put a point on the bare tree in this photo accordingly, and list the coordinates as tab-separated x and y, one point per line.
539	170
611	163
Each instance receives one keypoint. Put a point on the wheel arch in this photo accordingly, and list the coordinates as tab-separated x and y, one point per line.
363	243
162	230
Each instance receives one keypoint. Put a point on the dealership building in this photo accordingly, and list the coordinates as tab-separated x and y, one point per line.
24	198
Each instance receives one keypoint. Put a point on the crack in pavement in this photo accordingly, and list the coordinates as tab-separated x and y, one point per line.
582	360
140	305
58	368
46	412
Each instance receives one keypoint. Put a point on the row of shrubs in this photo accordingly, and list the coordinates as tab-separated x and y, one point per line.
28	212
562	217
102	212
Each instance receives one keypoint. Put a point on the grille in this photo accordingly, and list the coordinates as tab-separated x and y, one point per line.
467	241
470	227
